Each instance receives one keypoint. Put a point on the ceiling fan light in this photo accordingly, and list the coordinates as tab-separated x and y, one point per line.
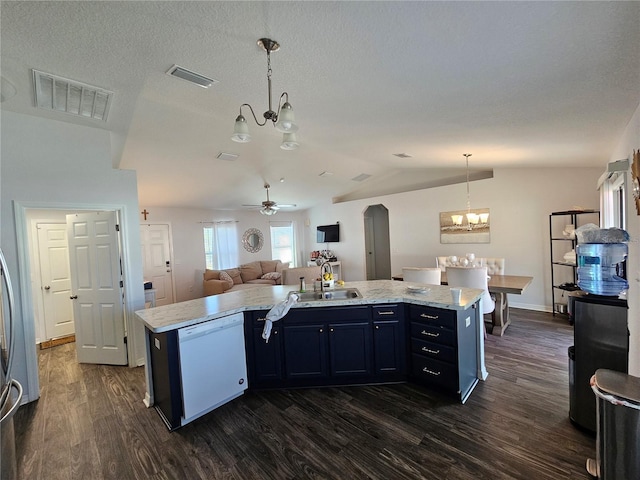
268	211
289	141
241	131
286	120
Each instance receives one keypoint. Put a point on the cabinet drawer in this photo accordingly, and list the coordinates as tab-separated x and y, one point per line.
435	316
433	350
386	312
432	333
434	371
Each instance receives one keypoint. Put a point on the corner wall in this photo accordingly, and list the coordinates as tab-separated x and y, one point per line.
46	162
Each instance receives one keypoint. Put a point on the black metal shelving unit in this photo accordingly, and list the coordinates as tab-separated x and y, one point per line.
564	276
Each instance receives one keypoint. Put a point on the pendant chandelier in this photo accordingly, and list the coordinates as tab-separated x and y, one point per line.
283	119
472	218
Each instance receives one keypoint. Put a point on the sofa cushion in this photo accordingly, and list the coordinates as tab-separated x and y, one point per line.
225	277
269	265
211	275
250	271
260	281
234	273
281	266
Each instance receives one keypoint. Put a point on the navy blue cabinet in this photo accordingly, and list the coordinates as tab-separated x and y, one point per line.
350	349
443	348
264	359
389	340
305	351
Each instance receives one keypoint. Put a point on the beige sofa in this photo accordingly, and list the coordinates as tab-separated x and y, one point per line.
248	275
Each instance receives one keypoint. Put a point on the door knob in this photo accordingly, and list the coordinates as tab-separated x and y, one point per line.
47	287
73	297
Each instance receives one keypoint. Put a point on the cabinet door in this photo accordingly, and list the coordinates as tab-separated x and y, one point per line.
267	357
350	349
388	347
305	351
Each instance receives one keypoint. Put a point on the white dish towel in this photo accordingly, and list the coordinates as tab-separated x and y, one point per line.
278	311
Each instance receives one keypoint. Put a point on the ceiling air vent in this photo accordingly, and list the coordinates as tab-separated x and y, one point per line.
401	155
189	76
68	96
361	177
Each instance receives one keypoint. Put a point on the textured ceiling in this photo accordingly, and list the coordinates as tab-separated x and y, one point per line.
517	84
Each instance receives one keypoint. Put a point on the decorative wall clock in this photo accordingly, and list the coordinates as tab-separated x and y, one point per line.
635	178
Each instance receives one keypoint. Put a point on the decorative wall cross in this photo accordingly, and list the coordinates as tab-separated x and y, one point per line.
145	213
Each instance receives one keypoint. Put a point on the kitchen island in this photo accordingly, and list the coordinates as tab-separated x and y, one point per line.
389	334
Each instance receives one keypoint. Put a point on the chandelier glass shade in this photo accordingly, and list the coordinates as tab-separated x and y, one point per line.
283	119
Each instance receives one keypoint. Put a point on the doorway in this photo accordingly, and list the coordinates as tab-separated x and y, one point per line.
28	308
376	242
156	261
76	285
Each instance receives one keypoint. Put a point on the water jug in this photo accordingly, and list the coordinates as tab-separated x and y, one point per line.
598	265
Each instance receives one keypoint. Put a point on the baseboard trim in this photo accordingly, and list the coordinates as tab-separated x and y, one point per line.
54	342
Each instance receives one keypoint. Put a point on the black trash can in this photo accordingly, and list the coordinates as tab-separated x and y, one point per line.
618	426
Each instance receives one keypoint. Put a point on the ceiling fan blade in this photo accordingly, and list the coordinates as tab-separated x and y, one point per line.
287	205
247	205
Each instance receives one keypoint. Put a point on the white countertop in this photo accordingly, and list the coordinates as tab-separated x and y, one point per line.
184	314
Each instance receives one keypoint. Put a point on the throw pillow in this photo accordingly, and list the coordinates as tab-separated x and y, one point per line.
225	277
271	276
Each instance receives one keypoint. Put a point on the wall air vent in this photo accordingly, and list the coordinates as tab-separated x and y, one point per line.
68	96
189	76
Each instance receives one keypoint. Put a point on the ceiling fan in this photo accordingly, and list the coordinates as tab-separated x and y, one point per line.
269	207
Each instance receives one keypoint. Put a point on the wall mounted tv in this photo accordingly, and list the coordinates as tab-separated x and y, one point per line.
328	233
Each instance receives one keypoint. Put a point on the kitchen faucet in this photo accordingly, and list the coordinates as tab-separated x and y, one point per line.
323	270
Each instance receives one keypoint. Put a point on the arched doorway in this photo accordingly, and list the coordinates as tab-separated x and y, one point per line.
376	242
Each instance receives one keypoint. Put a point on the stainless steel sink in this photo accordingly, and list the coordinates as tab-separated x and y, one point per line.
337	294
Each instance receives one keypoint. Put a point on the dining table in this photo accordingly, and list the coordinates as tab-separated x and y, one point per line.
499	287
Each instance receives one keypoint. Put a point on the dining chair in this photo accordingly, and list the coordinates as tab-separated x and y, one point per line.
442	263
495	265
473	277
428	275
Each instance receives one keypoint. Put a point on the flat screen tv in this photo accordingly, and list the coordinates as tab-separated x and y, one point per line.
328	233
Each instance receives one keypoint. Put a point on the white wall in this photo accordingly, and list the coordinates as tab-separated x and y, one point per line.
630	141
520	201
45	162
188	242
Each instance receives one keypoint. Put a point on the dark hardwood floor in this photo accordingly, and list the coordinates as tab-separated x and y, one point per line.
90	423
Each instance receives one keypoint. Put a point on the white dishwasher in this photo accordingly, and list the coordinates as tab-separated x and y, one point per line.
213	366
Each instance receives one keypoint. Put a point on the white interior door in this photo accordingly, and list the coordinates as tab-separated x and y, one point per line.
156	259
56	280
94	258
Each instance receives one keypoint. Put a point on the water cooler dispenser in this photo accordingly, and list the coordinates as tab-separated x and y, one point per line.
601	335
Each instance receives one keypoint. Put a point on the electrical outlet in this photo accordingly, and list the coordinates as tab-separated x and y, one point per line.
467	321
191	288
156	343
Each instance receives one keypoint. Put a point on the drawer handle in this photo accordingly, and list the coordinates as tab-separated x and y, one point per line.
261	319
430	317
435	352
387	313
430	334
430	372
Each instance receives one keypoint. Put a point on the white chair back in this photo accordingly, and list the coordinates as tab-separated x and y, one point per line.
443	263
472	277
430	276
495	266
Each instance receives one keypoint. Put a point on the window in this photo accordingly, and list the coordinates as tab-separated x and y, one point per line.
283	242
613	200
221	245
